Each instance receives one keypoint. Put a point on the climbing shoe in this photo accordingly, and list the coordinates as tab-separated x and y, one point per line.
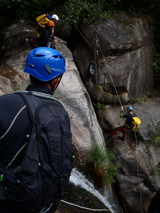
121	138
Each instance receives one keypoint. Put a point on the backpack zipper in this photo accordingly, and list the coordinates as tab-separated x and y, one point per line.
63	133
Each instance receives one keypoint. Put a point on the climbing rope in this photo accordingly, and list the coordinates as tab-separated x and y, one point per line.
94	210
83	37
98	45
140	193
95	53
95	60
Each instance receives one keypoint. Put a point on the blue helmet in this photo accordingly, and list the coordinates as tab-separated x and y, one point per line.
45	63
129	108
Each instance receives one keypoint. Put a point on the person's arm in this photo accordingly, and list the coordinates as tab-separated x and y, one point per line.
121	113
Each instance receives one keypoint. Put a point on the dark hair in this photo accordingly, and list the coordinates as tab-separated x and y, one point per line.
37	81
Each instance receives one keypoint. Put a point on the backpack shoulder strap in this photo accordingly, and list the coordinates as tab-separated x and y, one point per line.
41	95
29	105
28	98
48	16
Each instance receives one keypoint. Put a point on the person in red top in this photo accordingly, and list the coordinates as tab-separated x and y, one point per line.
128	123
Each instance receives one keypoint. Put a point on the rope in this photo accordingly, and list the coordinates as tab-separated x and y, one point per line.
108	70
83	37
98	45
94	210
95	54
138	175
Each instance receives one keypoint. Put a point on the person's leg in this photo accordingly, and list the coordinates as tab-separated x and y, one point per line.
124	133
121	128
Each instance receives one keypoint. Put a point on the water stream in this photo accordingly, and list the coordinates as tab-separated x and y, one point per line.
79	180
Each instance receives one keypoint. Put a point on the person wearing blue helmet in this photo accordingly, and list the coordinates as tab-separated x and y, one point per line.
128	123
45	67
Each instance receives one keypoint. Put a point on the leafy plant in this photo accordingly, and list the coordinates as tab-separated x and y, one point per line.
101	163
156	67
24	9
140	100
99	105
157	139
157	170
156	93
154	139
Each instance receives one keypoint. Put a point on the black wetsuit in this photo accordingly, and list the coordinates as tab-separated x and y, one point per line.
15	123
127	126
44	38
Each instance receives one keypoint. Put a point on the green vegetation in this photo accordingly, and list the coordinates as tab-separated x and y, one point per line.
85	12
157	139
157	170
101	164
140	100
23	9
156	67
154	139
99	105
156	93
81	11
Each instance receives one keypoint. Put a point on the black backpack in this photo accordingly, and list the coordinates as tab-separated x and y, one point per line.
43	175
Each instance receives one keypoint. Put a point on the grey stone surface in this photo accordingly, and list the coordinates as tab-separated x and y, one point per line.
123	61
128	53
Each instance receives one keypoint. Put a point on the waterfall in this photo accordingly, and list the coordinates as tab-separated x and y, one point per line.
78	179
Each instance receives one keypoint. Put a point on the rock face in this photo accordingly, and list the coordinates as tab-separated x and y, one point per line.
71	91
137	182
137	161
74	95
84	125
123	56
15	36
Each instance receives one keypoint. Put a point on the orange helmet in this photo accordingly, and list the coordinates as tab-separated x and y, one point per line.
50	24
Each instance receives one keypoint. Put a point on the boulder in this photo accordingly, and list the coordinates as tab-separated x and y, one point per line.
137	159
136	181
71	91
128	56
123	56
15	36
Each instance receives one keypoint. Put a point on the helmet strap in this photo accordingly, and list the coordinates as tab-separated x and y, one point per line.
50	84
54	83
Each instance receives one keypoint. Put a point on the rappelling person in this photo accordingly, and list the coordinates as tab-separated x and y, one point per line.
46	35
43	26
132	123
55	19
